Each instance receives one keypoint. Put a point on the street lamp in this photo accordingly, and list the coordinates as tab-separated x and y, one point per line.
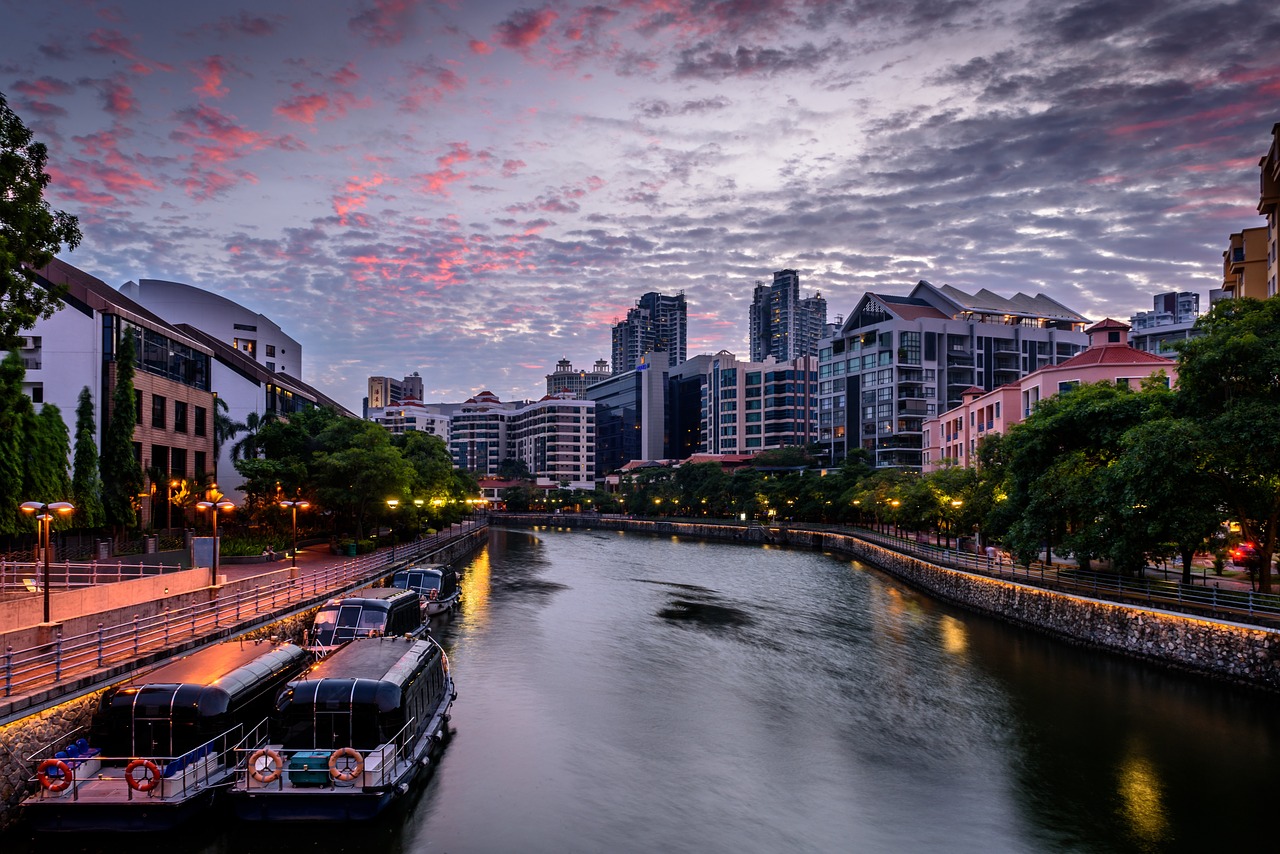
219	503
417	503
45	518
295	506
168	512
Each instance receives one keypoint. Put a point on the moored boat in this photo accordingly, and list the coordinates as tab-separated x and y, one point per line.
374	612
161	744
350	738
436	585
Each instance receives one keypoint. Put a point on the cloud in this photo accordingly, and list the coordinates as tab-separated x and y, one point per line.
117	96
525	28
384	23
210	74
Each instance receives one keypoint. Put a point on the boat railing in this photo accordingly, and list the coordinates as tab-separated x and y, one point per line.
262	766
62	772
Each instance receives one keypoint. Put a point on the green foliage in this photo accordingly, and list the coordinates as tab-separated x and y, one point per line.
121	473
30	232
513	469
14	405
86	481
50	448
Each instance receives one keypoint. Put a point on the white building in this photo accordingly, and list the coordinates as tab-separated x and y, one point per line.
1172	319
554	437
410	415
750	407
253	334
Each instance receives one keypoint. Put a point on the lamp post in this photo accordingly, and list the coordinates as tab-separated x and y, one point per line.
45	518
168	511
218	503
295	506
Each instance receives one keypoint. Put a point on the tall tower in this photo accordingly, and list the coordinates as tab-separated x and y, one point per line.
659	322
782	324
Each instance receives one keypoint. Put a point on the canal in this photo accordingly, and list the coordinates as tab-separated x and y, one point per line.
624	693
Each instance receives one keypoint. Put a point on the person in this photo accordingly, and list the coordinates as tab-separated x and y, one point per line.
991	554
269	553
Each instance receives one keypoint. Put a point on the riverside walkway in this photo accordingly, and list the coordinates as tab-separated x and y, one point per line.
102	632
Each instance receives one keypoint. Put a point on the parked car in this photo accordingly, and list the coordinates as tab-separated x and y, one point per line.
1244	555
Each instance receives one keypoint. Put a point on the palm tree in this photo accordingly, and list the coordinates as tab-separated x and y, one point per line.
247	447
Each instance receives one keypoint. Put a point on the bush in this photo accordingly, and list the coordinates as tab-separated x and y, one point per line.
242	545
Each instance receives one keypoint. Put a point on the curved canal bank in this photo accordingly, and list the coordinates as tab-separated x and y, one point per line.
1241	654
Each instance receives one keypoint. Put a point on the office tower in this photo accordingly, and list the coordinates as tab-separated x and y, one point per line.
783	326
659	322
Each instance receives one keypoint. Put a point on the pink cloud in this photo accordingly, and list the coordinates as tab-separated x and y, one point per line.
115	42
355	194
480	48
210	73
310	106
117	96
384	23
217	137
525	28
203	184
45	87
430	84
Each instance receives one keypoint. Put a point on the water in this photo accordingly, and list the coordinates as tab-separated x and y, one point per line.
623	693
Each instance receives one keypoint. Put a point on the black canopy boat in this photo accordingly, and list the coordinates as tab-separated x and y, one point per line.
374	612
436	585
161	744
351	738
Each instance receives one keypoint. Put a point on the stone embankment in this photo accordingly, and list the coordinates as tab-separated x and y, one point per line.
1245	655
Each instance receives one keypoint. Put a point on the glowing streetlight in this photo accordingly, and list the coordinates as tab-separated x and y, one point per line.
45	518
219	502
295	506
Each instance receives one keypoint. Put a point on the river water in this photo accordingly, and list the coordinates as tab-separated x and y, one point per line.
625	693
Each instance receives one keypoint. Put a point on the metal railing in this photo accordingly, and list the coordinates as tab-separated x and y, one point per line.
37	667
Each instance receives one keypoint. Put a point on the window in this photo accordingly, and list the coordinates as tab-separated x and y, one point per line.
271	350
201	414
178	462
158	405
37	393
179	416
1064	387
1113	337
137	401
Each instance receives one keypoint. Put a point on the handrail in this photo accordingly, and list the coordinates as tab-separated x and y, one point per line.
36	667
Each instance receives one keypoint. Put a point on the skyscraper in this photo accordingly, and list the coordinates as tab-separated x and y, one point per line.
658	323
783	325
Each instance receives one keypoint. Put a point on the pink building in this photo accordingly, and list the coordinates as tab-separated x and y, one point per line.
953	436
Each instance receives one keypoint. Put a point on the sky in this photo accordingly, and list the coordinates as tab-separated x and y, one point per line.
475	190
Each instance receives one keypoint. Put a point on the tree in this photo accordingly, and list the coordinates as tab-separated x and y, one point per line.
1229	384
30	232
248	448
50	447
514	469
86	481
13	406
121	471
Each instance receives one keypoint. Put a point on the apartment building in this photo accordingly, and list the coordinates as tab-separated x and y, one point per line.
554	437
1172	319
385	391
782	325
1269	207
750	407
1244	264
953	437
566	379
412	415
898	361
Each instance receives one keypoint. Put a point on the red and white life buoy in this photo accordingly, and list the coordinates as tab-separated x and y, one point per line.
57	781
147	780
265	765
346	764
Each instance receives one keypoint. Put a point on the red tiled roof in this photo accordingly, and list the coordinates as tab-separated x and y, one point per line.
1114	356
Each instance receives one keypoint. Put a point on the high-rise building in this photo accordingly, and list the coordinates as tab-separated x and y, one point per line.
659	322
566	379
898	360
384	391
554	437
750	407
782	325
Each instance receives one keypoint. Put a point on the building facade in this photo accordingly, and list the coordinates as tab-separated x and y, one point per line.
658	323
953	437
255	335
898	361
750	407
554	437
1244	264
76	348
782	325
412	415
1172	319
1269	207
566	379
385	391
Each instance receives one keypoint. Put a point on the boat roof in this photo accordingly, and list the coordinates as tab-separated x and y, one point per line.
371	658
381	595
217	664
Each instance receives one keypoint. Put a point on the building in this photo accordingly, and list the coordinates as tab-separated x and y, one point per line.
1245	264
254	334
653	412
750	407
1172	319
384	391
1269	207
554	437
953	437
248	387
566	379
658	323
898	361
76	348
410	415
782	325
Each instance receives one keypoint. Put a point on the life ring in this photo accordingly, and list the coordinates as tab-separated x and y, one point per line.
150	775
57	781
352	764
435	594
265	765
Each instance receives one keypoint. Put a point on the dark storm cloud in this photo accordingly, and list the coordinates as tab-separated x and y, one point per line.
657	108
704	61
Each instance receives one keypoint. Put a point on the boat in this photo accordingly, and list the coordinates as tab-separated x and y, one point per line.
351	738
436	585
160	745
373	612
